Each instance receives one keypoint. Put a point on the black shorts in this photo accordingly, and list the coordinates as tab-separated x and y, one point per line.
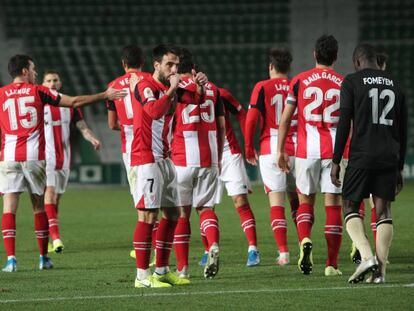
360	183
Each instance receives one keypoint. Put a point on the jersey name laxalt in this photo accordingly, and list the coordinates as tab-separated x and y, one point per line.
325	75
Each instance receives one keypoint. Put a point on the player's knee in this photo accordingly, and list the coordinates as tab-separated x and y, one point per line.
350	209
240	200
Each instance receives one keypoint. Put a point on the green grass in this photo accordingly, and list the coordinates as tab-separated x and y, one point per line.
96	273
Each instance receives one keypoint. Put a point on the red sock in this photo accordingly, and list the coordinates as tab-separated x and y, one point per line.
333	233
165	238
182	242
304	220
42	231
374	223
51	212
209	225
279	227
204	240
8	227
142	244
362	210
248	223
154	235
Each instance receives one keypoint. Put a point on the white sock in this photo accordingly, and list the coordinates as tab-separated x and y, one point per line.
252	248
142	274
161	270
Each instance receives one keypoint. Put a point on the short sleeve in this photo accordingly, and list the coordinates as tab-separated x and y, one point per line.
293	91
48	96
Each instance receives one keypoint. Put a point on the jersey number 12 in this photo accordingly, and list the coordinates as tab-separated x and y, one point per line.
373	94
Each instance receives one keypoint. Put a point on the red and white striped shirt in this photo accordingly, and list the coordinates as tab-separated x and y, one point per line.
194	142
57	134
316	94
232	106
123	108
269	98
21	121
153	113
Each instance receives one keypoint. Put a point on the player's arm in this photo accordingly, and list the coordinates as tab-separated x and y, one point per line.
253	114
83	100
113	122
343	129
221	126
235	108
85	130
284	126
403	133
155	108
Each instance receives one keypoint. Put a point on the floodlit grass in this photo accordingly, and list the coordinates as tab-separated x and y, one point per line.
96	273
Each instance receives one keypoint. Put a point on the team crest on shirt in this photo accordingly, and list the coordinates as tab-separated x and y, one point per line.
149	95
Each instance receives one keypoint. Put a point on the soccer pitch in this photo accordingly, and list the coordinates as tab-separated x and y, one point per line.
95	271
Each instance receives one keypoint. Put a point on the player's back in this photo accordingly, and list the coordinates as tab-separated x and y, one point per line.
272	99
195	129
316	93
378	110
123	106
21	121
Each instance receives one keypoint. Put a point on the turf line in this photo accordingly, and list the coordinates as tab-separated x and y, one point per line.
160	294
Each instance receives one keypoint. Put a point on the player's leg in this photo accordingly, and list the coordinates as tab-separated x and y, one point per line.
274	181
355	188
182	236
10	204
51	208
333	232
384	236
42	230
167	225
308	172
373	219
204	198
333	224
291	192
248	224
12	183
147	199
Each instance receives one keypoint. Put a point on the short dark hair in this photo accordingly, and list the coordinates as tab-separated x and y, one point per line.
50	72
163	49
132	56
186	61
280	59
17	63
382	56
365	51
326	50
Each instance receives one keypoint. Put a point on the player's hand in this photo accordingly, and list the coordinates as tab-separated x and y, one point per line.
199	78
335	169
112	94
400	183
251	156
283	162
174	81
96	144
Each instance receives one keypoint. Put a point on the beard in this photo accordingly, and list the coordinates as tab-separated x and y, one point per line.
163	79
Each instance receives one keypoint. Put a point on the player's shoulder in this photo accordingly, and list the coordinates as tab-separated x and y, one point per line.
187	84
211	89
259	85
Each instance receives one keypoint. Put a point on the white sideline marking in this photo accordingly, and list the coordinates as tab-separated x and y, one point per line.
247	291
